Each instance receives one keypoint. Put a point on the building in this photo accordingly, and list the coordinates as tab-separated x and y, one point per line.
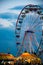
8	59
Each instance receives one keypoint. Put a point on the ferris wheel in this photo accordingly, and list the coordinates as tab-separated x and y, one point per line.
29	29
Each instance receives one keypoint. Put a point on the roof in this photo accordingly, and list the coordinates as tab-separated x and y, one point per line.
6	56
27	55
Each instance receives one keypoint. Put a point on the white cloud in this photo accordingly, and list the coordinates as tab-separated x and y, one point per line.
6	24
5	5
14	11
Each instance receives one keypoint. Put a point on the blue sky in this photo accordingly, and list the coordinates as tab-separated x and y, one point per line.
9	11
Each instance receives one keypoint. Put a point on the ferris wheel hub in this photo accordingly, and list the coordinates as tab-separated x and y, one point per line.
30	31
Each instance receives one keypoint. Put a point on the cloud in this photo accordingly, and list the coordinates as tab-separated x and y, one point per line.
17	7
15	11
8	15
6	24
5	5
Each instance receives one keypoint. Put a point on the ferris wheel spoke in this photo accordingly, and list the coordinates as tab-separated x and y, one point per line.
20	48
40	30
29	43
32	48
37	24
37	30
35	21
37	44
26	42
